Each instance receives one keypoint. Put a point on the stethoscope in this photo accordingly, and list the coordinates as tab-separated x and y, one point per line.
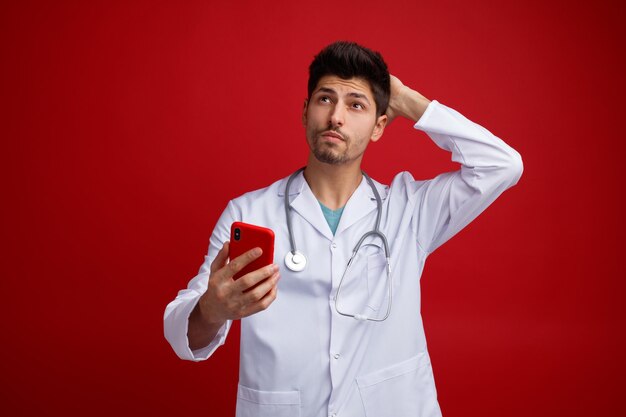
296	261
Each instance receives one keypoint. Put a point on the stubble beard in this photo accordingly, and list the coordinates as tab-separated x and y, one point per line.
329	153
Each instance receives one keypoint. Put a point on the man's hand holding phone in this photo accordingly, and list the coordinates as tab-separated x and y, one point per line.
230	298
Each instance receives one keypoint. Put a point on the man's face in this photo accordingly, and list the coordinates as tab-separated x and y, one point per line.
340	120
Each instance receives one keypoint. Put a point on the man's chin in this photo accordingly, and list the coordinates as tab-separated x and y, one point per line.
327	157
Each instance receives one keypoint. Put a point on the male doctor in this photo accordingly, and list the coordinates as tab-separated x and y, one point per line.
305	351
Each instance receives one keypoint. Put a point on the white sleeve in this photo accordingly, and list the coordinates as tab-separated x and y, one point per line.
176	317
450	201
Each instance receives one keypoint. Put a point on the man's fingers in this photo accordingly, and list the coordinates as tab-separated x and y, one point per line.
253	278
221	258
258	292
263	303
240	262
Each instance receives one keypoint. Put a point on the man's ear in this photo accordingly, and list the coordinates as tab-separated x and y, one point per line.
306	104
379	128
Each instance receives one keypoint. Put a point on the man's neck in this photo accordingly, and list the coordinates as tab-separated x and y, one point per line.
333	185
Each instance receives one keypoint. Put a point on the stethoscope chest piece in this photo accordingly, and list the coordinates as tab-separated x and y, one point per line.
295	261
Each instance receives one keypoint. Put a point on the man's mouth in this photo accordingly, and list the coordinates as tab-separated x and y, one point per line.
332	136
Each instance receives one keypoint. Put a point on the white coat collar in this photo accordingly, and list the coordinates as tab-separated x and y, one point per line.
303	201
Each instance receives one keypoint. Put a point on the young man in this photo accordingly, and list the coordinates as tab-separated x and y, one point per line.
329	340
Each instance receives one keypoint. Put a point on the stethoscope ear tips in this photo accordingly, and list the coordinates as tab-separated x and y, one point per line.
295	261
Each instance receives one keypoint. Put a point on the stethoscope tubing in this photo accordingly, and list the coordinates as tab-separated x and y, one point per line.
296	261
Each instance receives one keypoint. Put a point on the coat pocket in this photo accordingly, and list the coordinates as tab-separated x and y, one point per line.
405	389
377	280
254	403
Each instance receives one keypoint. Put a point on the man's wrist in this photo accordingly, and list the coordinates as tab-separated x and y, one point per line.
204	316
201	331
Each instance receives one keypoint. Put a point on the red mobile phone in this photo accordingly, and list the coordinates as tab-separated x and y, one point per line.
245	236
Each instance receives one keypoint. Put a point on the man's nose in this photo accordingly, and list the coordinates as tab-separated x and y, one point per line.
337	115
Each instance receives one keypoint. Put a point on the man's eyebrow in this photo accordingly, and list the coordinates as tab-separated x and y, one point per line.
359	95
353	94
326	90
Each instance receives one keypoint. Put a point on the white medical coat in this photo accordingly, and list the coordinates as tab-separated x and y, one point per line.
300	357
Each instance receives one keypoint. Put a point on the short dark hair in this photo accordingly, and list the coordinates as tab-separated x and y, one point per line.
348	60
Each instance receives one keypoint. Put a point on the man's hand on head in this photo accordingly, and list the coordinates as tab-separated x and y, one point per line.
405	102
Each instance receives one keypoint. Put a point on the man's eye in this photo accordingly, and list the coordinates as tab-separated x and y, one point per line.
358	106
325	99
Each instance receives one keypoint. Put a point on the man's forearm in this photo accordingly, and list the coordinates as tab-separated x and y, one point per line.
405	102
200	332
411	104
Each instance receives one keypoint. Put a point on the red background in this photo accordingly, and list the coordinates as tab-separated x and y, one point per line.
120	122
